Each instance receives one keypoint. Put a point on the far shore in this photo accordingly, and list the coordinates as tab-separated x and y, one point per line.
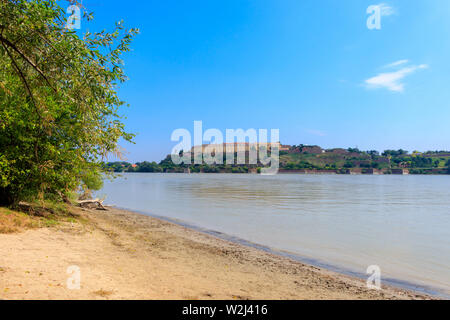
309	172
126	255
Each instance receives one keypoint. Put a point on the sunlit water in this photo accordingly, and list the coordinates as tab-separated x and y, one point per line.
400	223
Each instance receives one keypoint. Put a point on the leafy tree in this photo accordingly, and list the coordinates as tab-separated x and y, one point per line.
373	153
148	167
58	101
421	162
349	164
436	163
375	165
118	166
394	153
354	150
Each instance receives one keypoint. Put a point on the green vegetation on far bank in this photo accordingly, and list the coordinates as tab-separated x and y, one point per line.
313	159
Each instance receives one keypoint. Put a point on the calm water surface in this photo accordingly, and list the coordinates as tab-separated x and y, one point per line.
400	223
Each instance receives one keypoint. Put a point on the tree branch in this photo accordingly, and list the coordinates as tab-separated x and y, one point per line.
28	60
21	75
24	80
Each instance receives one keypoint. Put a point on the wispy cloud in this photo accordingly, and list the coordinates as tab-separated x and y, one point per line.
386	10
393	81
396	63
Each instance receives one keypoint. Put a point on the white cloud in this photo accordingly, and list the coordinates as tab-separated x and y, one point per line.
393	80
396	63
386	10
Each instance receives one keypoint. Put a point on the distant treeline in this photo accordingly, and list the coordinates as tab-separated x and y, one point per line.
313	158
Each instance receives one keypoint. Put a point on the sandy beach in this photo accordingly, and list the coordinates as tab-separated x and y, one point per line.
125	255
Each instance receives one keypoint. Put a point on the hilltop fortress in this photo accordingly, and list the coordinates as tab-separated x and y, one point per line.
238	147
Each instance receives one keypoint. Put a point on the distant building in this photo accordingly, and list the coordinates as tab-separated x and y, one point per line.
382	160
312	149
237	147
435	154
356	171
403	164
371	171
337	151
400	171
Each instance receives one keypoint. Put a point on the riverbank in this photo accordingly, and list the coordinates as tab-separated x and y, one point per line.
125	255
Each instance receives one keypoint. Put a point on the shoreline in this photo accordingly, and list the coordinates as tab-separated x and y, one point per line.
393	282
292	172
127	255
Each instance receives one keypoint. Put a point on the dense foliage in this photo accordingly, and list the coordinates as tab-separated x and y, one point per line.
58	102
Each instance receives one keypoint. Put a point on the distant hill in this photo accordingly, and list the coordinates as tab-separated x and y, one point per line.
314	159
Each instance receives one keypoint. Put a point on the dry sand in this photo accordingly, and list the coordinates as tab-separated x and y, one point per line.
124	255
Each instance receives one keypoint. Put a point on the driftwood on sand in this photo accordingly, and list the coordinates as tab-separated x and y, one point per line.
92	204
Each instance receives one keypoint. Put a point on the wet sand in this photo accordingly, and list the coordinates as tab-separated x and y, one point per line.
125	255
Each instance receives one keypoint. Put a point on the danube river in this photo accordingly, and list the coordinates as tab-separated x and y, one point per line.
343	222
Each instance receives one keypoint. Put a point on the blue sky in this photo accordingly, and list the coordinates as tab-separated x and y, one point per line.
310	68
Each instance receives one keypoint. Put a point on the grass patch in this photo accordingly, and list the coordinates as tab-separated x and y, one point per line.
36	215
14	221
50	222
